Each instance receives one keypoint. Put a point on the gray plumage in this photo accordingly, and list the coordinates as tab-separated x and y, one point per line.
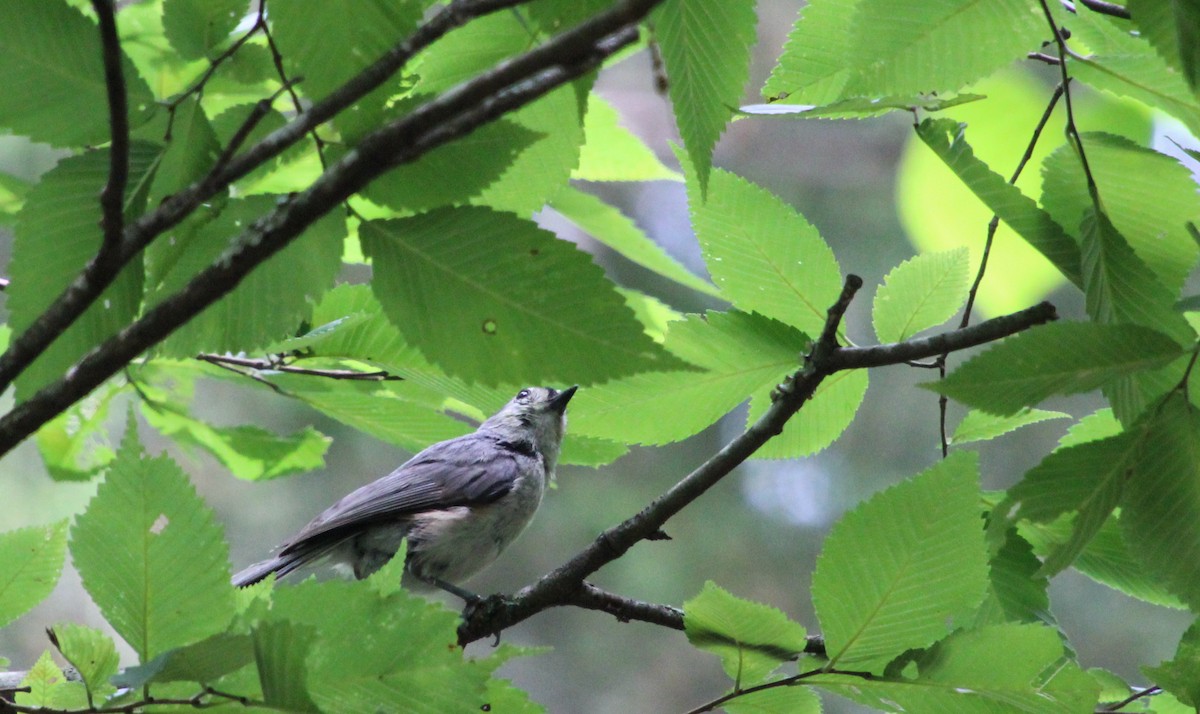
459	502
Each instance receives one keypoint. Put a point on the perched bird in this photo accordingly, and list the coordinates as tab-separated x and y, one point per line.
459	502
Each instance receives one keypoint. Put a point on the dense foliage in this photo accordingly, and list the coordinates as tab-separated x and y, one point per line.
222	162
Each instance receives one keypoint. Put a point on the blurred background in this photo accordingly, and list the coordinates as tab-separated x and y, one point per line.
758	533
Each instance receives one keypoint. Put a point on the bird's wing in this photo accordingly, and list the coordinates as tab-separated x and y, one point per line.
470	470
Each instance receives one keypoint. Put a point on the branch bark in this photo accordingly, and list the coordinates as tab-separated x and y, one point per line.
565	585
457	112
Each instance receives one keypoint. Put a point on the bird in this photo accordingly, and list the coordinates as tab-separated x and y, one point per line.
459	502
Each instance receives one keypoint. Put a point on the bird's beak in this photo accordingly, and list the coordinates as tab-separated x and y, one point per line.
559	402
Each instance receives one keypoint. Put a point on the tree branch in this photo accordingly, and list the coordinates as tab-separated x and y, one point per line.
97	275
278	365
112	197
457	112
563	585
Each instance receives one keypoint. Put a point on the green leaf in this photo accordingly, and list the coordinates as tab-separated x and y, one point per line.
740	354
47	687
946	139
75	444
148	549
525	307
816	60
33	558
751	639
196	28
922	292
57	232
859	107
53	76
981	426
907	46
762	254
438	179
243	320
190	152
249	452
614	229
1130	178
1181	674
706	49
1016	590
611	152
327	45
904	568
91	652
405	656
205	661
1001	668
1088	478
280	649
822	420
1059	358
1160	513
1172	28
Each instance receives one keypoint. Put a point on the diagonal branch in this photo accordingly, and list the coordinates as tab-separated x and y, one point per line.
564	584
98	274
112	197
457	112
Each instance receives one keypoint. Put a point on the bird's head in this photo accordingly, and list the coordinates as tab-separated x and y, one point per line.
536	416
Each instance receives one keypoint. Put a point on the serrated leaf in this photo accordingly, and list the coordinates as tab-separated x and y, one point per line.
45	684
981	426
1059	358
777	700
197	27
816	60
922	292
751	639
1160	513
821	421
859	107
762	254
57	232
610	152
1088	479
280	649
147	549
614	229
33	559
906	46
327	45
437	178
203	661
904	568
243	320
490	297
1000	668
53	76
740	354
91	652
75	444
1016	590
706	49
947	139
1129	178
249	452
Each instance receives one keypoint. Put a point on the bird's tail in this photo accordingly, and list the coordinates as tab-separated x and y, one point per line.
279	565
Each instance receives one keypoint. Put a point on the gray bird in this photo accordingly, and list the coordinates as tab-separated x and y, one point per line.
459	502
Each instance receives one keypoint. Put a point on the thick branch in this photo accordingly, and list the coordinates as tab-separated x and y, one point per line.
563	585
98	274
112	197
459	111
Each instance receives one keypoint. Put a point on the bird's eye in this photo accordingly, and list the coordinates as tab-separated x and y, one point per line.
523	394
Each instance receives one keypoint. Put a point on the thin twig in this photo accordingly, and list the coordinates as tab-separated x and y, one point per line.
1107	8
562	584
289	84
112	197
993	225
278	365
792	681
1072	128
1117	706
